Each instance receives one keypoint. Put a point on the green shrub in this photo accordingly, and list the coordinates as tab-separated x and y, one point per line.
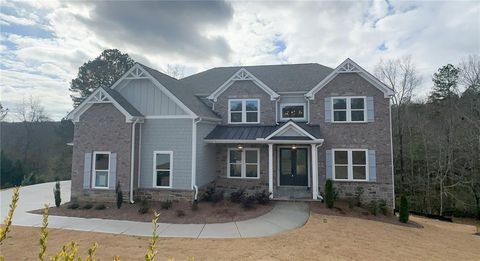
100	207
144	207
73	205
262	197
118	191
237	196
180	213
329	195
248	202
207	196
217	196
358	196
56	194
351	202
166	204
403	215
373	207
382	207
195	205
87	206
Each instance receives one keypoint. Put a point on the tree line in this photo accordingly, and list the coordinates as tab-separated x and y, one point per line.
437	139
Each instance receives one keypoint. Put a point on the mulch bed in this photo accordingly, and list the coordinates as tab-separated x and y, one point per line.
342	209
207	212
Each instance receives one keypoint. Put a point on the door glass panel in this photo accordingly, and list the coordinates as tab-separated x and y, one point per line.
302	167
285	162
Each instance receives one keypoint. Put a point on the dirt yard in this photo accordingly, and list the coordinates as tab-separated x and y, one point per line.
207	212
324	237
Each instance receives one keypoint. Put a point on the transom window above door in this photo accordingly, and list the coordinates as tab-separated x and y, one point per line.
349	109
244	111
290	111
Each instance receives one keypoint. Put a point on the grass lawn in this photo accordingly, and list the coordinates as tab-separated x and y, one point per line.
324	237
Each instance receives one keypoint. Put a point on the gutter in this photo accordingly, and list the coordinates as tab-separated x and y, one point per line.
132	160
194	155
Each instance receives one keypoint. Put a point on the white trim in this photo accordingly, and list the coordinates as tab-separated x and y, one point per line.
93	99
139	155
391	153
270	170
94	171
348	109
168	152
314	152
349	66
244	111
290	124
162	88
243	163
283	105
132	161
242	75
264	141
194	151
350	165
308	164
154	117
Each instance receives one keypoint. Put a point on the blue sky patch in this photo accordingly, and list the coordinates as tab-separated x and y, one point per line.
382	47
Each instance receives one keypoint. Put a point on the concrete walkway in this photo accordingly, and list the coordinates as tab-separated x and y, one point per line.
284	216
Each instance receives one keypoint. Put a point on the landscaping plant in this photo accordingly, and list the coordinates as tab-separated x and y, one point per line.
237	196
248	202
373	207
7	222
358	196
207	196
217	196
382	207
144	207
100	207
119	193
166	204
56	194
329	194
262	197
403	215
88	206
73	205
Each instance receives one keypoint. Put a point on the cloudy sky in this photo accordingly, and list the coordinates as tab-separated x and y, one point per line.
43	43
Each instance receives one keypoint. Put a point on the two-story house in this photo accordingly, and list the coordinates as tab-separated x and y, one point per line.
285	129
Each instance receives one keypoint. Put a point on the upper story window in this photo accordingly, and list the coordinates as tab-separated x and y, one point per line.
244	111
101	169
350	165
349	109
293	111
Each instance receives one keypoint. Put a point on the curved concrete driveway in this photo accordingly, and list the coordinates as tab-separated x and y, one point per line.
284	216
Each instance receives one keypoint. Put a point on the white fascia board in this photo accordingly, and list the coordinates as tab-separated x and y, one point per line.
291	124
231	80
362	72
264	141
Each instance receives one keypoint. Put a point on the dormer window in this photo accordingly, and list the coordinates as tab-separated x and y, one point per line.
243	111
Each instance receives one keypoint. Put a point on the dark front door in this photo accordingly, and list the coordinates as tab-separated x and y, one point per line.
293	167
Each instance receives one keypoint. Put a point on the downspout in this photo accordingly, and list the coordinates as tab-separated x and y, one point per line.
308	109
139	154
276	110
391	152
132	161
318	193
194	156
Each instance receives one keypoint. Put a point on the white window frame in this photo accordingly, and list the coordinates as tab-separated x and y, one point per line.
243	164
244	111
283	105
349	109
155	153
350	165
94	171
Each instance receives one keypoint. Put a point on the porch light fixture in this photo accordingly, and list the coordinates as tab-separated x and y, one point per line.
294	147
240	146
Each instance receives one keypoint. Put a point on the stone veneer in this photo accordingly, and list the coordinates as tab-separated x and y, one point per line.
101	128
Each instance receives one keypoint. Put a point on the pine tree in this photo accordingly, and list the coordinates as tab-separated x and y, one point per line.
445	84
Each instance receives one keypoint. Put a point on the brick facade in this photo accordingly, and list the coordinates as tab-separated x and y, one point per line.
101	128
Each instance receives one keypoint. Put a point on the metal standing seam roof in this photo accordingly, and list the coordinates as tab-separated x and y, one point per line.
253	132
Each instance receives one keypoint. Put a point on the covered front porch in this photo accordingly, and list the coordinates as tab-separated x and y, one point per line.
281	159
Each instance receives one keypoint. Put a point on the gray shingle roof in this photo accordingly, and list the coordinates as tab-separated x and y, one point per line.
229	132
280	78
123	102
183	93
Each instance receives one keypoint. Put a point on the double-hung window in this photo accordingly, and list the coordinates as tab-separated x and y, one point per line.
244	111
243	163
162	169
350	165
101	169
349	109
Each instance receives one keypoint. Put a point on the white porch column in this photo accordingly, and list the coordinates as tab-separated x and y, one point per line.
270	169
314	171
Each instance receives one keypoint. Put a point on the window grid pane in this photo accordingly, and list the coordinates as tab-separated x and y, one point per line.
101	178
293	111
101	161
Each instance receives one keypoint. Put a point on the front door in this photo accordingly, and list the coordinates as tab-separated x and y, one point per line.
293	167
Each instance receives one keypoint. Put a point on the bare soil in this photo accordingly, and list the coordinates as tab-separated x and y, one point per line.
221	212
324	237
342	209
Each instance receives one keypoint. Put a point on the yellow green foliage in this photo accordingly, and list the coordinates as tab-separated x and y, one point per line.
7	222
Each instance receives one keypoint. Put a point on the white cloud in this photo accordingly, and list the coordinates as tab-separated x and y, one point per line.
433	33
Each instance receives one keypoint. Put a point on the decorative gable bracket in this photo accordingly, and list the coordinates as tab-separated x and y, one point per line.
136	73
243	75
